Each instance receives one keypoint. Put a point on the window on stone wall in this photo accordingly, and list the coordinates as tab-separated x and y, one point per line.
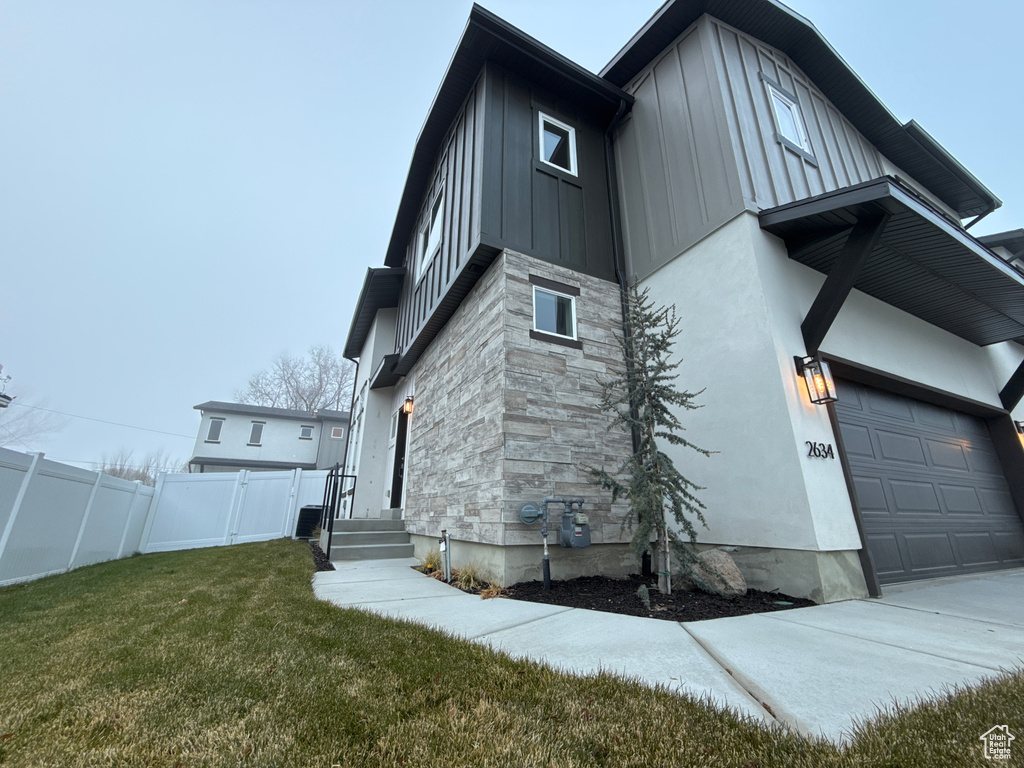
554	313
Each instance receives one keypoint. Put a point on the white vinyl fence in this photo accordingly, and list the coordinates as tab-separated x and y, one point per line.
54	517
218	508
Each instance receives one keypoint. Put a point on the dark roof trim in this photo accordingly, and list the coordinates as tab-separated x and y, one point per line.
217	406
1012	240
486	38
909	146
385	375
924	264
243	463
382	287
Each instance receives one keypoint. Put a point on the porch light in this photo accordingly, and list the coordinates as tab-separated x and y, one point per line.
407	405
820	386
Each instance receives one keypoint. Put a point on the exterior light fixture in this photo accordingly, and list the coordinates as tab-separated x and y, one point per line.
820	386
407	405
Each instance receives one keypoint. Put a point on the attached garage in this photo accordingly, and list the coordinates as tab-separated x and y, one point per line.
932	495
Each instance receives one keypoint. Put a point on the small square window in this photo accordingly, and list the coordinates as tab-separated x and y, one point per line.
305	432
337	433
213	436
256	435
557	144
789	120
554	313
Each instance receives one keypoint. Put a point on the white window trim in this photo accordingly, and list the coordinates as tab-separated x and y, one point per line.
263	425
422	257
337	437
311	431
543	118
568	296
802	142
210	428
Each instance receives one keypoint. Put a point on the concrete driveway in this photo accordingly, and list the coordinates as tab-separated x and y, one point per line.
815	670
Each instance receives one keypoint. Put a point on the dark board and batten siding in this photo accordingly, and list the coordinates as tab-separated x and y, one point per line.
531	207
498	194
457	175
700	146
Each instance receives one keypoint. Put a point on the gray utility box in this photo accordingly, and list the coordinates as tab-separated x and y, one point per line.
575	531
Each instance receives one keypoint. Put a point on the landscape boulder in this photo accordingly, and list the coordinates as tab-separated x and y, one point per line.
715	571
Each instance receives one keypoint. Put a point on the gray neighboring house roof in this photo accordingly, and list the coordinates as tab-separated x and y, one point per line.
280	413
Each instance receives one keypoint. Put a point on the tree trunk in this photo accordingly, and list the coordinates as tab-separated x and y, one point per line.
662	559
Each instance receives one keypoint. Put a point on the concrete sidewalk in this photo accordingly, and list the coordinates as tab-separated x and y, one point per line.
815	670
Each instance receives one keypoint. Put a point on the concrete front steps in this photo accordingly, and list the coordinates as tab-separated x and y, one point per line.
369	540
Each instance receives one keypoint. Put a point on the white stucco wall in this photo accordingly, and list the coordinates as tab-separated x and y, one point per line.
370	439
280	441
741	300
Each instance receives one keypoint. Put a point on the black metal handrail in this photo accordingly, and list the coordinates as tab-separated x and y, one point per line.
333	494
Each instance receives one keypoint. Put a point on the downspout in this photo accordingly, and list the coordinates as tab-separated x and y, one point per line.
617	249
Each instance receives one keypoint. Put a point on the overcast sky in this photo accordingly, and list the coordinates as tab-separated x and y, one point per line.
188	189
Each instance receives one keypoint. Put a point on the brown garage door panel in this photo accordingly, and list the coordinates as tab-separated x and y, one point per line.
929	485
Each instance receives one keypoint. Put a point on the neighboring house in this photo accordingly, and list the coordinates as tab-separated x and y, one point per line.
234	436
731	163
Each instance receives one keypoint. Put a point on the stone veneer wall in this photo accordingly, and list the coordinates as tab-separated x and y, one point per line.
502	419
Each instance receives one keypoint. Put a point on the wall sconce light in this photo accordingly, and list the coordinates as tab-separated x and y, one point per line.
820	386
1020	426
407	405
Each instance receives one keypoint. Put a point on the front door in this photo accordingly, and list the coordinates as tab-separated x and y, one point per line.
398	473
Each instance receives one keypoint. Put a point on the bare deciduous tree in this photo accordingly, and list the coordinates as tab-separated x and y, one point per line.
25	420
123	464
317	381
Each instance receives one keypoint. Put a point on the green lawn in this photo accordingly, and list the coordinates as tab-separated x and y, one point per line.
222	657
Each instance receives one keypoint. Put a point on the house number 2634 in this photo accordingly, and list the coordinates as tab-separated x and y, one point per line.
819	450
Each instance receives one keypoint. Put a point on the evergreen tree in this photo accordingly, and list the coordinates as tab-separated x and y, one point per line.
642	400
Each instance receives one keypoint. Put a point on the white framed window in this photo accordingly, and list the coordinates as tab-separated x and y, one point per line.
305	432
554	313
256	433
337	433
557	144
790	128
213	436
430	234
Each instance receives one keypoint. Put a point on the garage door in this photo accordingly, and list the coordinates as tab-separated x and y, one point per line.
931	492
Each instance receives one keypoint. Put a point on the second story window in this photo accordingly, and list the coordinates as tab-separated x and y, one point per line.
213	436
256	434
557	144
337	433
305	432
430	235
790	128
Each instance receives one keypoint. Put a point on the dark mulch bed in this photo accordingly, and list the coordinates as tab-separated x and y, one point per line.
599	593
323	563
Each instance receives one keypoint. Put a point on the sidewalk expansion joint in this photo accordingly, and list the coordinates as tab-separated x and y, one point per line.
873	601
755	693
884	643
519	624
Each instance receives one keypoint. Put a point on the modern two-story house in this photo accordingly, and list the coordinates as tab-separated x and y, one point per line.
234	436
728	161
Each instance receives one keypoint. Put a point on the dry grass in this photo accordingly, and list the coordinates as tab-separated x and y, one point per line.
109	666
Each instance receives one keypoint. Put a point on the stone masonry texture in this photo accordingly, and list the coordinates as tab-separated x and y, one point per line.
502	419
